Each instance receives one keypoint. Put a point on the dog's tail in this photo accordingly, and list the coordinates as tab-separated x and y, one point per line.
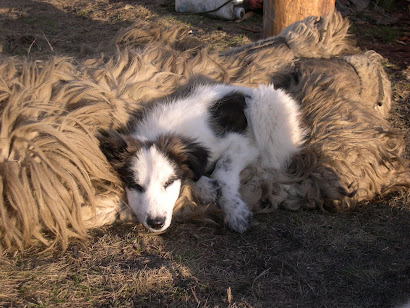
275	123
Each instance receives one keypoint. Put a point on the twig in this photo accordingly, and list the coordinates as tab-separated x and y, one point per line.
49	44
31	45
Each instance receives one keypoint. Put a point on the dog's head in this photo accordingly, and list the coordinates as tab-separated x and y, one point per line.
153	172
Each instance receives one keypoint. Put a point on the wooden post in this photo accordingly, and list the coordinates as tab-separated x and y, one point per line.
277	14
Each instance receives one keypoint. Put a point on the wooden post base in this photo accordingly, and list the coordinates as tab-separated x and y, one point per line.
278	14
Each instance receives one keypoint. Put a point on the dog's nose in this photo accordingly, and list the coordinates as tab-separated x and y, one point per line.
156	222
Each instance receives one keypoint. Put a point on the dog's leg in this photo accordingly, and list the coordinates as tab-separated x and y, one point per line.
239	154
208	190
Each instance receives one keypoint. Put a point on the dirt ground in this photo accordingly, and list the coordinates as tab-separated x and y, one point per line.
359	258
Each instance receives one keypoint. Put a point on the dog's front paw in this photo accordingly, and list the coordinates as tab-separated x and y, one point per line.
208	189
237	215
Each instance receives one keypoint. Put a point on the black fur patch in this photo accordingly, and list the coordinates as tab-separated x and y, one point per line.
119	150
190	156
227	114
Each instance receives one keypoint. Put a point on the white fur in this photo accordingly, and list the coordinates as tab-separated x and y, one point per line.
406	305
270	113
272	137
154	169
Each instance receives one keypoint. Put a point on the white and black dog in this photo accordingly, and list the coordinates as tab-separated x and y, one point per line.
211	129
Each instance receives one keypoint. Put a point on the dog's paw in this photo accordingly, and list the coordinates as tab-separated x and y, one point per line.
208	189
238	218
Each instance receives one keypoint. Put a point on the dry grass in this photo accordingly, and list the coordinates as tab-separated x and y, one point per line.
358	258
288	259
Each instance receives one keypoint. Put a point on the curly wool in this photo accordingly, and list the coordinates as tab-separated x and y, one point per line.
52	172
351	154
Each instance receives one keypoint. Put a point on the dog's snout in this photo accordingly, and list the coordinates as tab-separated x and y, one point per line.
156	222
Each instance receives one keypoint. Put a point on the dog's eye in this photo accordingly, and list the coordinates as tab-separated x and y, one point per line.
136	187
169	182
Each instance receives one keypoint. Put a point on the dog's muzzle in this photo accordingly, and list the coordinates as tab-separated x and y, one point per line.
156	223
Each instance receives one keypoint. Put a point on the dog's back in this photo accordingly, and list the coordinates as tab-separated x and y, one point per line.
275	123
194	115
209	112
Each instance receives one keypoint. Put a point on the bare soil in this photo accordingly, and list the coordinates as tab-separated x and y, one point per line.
359	258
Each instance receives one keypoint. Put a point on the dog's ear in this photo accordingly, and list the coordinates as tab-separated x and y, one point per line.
117	147
190	156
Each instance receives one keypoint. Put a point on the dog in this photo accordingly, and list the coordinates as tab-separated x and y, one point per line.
207	133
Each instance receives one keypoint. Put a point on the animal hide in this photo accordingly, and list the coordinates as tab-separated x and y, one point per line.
56	184
351	153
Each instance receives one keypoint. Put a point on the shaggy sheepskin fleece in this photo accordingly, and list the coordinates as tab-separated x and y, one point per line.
349	136
56	183
351	153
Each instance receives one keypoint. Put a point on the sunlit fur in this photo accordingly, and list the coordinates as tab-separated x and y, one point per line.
235	127
154	170
52	109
